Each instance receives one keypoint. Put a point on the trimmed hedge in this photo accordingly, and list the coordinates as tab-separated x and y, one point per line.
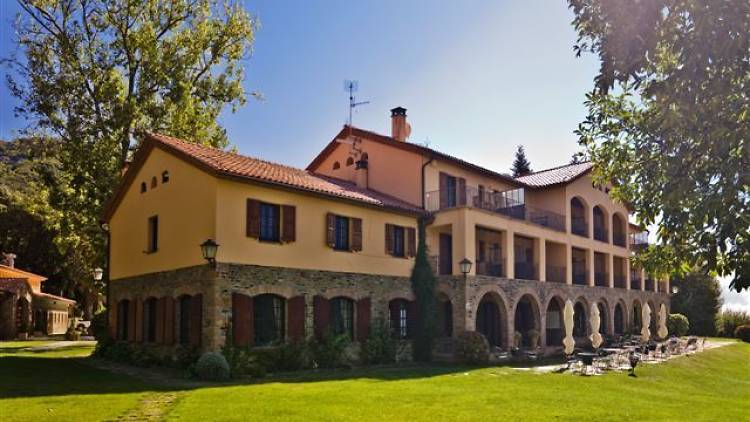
743	333
678	325
472	348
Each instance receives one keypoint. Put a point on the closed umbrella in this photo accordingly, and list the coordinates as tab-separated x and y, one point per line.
596	338
663	322
568	341
645	319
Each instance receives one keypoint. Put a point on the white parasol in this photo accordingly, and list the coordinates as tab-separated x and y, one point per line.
596	338
568	341
645	320
663	322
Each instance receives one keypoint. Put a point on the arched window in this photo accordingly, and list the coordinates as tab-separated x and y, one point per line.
349	161
153	182
600	224
123	313
183	322
578	221
149	320
268	319
164	176
444	316
619	319
336	165
143	187
579	320
364	157
342	317
399	317
618	230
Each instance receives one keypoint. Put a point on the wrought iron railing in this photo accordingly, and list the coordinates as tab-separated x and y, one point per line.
618	239
579	226
580	277
555	273
491	268
601	279
638	241
635	281
600	234
525	271
649	285
620	281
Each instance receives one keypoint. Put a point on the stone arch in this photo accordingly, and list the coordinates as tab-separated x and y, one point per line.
403	294
491	319
605	317
473	301
619	318
581	325
635	317
554	323
527	318
444	315
286	292
579	210
347	292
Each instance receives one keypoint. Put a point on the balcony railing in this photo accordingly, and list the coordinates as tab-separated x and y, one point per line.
639	241
620	281
600	234
492	269
580	277
525	271
555	274
618	239
635	281
579	226
508	203
649	285
601	279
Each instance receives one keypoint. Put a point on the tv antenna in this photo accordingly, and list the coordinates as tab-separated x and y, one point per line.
351	87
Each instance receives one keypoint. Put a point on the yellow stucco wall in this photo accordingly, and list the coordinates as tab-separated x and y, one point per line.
309	251
186	207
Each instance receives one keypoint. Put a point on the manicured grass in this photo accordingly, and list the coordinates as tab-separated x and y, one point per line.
713	385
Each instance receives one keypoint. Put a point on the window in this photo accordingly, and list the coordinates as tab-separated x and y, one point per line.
268	319
398	241
336	165
450	191
399	318
349	161
342	233
184	320
269	222
342	317
164	177
143	187
149	320
153	234
122	319
153	182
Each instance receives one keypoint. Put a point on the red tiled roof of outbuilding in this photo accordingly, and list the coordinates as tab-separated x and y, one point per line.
555	176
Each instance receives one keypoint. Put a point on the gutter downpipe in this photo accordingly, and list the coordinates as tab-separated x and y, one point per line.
424	165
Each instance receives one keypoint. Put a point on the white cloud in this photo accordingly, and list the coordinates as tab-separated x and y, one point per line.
732	299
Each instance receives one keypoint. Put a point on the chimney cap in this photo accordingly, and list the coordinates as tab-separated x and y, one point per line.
398	111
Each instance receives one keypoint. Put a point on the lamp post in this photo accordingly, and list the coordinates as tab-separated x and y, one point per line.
675	290
465	267
209	249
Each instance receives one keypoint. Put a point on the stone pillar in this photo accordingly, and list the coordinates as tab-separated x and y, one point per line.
568	263
643	280
590	265
541	253
510	271
627	273
611	270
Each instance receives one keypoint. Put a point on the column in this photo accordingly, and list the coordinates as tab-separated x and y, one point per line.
627	273
643	280
510	270
590	265
464	242
568	264
542	258
611	270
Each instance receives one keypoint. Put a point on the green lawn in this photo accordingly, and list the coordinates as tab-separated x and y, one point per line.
713	385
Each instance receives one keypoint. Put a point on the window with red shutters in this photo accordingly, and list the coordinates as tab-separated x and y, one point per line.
364	315
321	315
296	318
196	319
242	319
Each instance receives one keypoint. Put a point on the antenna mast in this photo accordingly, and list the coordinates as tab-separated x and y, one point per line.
351	87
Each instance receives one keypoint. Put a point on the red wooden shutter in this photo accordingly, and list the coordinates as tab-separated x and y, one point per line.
411	241
296	318
196	319
321	315
253	219
363	319
356	234
242	319
443	190
389	239
138	321
412	318
168	320
131	319
330	230
289	217
160	308
461	187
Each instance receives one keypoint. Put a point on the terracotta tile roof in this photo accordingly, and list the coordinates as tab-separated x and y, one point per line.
555	176
54	297
407	146
230	164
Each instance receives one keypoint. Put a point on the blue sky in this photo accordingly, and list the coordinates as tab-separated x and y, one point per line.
477	77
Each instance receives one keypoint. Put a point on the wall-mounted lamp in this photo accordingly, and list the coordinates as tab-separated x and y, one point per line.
209	249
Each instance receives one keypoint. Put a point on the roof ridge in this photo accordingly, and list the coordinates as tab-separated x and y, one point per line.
554	168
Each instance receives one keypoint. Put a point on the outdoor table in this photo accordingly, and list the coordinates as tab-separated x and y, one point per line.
588	359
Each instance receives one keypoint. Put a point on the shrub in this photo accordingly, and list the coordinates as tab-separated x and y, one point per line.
99	325
291	356
72	334
728	321
212	366
678	324
186	356
379	346
328	351
472	348
743	333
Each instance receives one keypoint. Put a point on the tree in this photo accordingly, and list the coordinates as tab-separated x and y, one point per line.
423	285
521	166
93	73
579	157
669	122
699	299
678	325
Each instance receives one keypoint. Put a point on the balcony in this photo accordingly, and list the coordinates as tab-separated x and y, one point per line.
507	203
601	234
601	279
649	285
580	276
578	226
618	239
620	281
491	269
638	241
525	271
555	274
635	280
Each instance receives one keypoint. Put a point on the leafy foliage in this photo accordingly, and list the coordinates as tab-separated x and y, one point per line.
379	346
743	333
329	350
669	123
728	321
472	348
423	285
699	299
212	366
521	165
678	324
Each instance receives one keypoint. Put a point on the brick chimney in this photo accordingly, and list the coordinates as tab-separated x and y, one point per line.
360	172
400	130
9	260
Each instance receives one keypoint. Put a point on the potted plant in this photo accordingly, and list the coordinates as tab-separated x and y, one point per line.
533	338
517	337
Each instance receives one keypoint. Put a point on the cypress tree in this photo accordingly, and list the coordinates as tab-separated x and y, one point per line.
423	285
521	165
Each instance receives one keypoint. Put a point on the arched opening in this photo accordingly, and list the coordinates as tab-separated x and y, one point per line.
603	318
149	320
143	187
653	325
554	322
153	182
578	221
526	322
400	318
123	316
600	224
23	317
490	318
164	176
183	320
579	320
618	229
619	319
342	317
269	312
336	165
349	161
444	316
636	327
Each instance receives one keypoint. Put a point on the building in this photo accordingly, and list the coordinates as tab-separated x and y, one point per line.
331	247
25	308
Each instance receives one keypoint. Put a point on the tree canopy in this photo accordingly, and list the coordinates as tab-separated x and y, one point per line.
699	299
521	165
669	123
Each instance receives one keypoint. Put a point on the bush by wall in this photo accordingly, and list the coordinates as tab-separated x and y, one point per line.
212	366
743	333
380	346
472	348
328	351
728	321
678	324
